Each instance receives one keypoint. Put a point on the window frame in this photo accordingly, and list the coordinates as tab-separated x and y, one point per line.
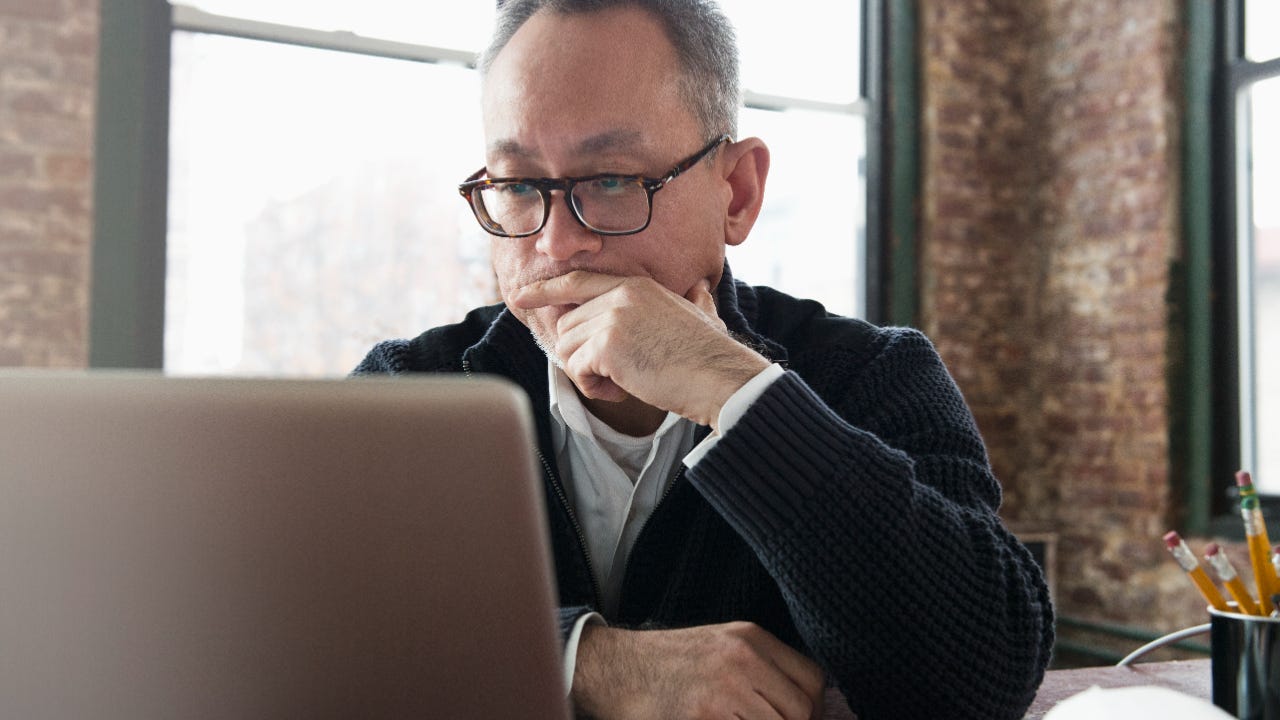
127	305
1217	217
130	190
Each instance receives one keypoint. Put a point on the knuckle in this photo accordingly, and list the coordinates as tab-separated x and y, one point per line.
738	653
703	706
630	293
717	700
743	628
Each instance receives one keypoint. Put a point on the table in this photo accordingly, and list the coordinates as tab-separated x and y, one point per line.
1187	676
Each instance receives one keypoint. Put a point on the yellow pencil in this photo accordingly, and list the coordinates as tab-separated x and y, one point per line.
1275	563
1227	574
1178	548
1255	530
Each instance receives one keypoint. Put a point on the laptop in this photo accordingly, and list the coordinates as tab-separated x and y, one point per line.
252	548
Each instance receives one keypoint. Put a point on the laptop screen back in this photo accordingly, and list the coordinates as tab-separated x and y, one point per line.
214	548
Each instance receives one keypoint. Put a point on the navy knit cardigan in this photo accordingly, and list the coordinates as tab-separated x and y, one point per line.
851	512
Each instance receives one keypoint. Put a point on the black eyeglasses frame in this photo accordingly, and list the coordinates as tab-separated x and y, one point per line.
545	185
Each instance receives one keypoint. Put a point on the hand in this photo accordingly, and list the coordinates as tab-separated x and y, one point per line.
632	336
736	670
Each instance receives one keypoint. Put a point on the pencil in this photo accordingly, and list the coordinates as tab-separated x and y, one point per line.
1255	529
1178	548
1227	574
1275	563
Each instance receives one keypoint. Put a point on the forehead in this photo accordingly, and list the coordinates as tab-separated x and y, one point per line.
588	81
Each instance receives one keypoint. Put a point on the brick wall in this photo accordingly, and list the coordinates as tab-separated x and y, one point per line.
48	61
1050	224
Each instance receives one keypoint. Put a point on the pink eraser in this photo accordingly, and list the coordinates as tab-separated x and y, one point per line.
1171	539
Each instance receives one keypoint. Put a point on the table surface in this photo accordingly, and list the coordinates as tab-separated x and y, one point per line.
1187	676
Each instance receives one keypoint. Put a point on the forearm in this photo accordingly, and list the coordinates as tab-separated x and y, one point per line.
726	670
894	564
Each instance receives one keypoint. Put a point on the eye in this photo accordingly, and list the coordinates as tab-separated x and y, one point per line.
610	185
516	189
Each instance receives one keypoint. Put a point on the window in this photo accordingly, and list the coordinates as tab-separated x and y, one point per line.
1249	113
312	205
314	157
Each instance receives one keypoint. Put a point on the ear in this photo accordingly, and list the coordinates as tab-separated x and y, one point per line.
746	167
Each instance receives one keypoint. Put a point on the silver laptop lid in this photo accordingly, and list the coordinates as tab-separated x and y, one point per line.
236	548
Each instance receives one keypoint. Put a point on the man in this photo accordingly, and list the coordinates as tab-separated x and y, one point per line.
748	497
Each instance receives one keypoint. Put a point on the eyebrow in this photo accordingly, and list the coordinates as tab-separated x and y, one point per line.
608	141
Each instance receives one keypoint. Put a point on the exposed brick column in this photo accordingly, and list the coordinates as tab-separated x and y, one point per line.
1050	170
48	76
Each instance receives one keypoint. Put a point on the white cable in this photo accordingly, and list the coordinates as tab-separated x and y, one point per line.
1162	641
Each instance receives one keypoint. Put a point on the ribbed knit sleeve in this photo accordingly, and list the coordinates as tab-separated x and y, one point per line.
387	356
567	617
874	511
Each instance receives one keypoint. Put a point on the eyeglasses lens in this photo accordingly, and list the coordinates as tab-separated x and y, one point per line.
612	204
513	208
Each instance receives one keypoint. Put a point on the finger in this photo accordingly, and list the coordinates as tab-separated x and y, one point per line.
578	327
757	706
585	368
802	671
784	696
700	295
576	287
819	707
595	387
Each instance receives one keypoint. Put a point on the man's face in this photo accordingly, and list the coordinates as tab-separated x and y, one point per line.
574	95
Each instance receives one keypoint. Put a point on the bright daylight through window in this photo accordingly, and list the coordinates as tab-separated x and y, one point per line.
1259	253
1265	280
313	205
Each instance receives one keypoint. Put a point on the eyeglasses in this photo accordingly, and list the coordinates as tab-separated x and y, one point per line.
604	204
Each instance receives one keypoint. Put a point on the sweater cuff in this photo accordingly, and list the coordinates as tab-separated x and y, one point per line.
734	408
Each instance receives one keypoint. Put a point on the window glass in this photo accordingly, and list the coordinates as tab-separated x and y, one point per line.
457	25
808	239
313	205
1261	41
780	43
1265	101
808	49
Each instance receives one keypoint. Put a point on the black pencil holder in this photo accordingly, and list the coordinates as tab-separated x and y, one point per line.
1246	664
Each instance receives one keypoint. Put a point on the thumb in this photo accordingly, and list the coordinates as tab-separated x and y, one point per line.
700	295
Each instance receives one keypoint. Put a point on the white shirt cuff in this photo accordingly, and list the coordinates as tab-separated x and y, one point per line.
733	410
571	647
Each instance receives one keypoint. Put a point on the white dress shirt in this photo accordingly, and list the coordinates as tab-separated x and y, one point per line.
614	481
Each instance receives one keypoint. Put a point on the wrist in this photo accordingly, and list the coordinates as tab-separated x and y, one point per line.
733	380
593	690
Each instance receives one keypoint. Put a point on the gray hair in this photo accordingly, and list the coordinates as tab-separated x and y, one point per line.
706	49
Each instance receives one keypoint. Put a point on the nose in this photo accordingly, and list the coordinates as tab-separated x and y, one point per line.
563	236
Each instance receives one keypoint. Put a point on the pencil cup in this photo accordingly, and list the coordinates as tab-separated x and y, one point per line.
1246	664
